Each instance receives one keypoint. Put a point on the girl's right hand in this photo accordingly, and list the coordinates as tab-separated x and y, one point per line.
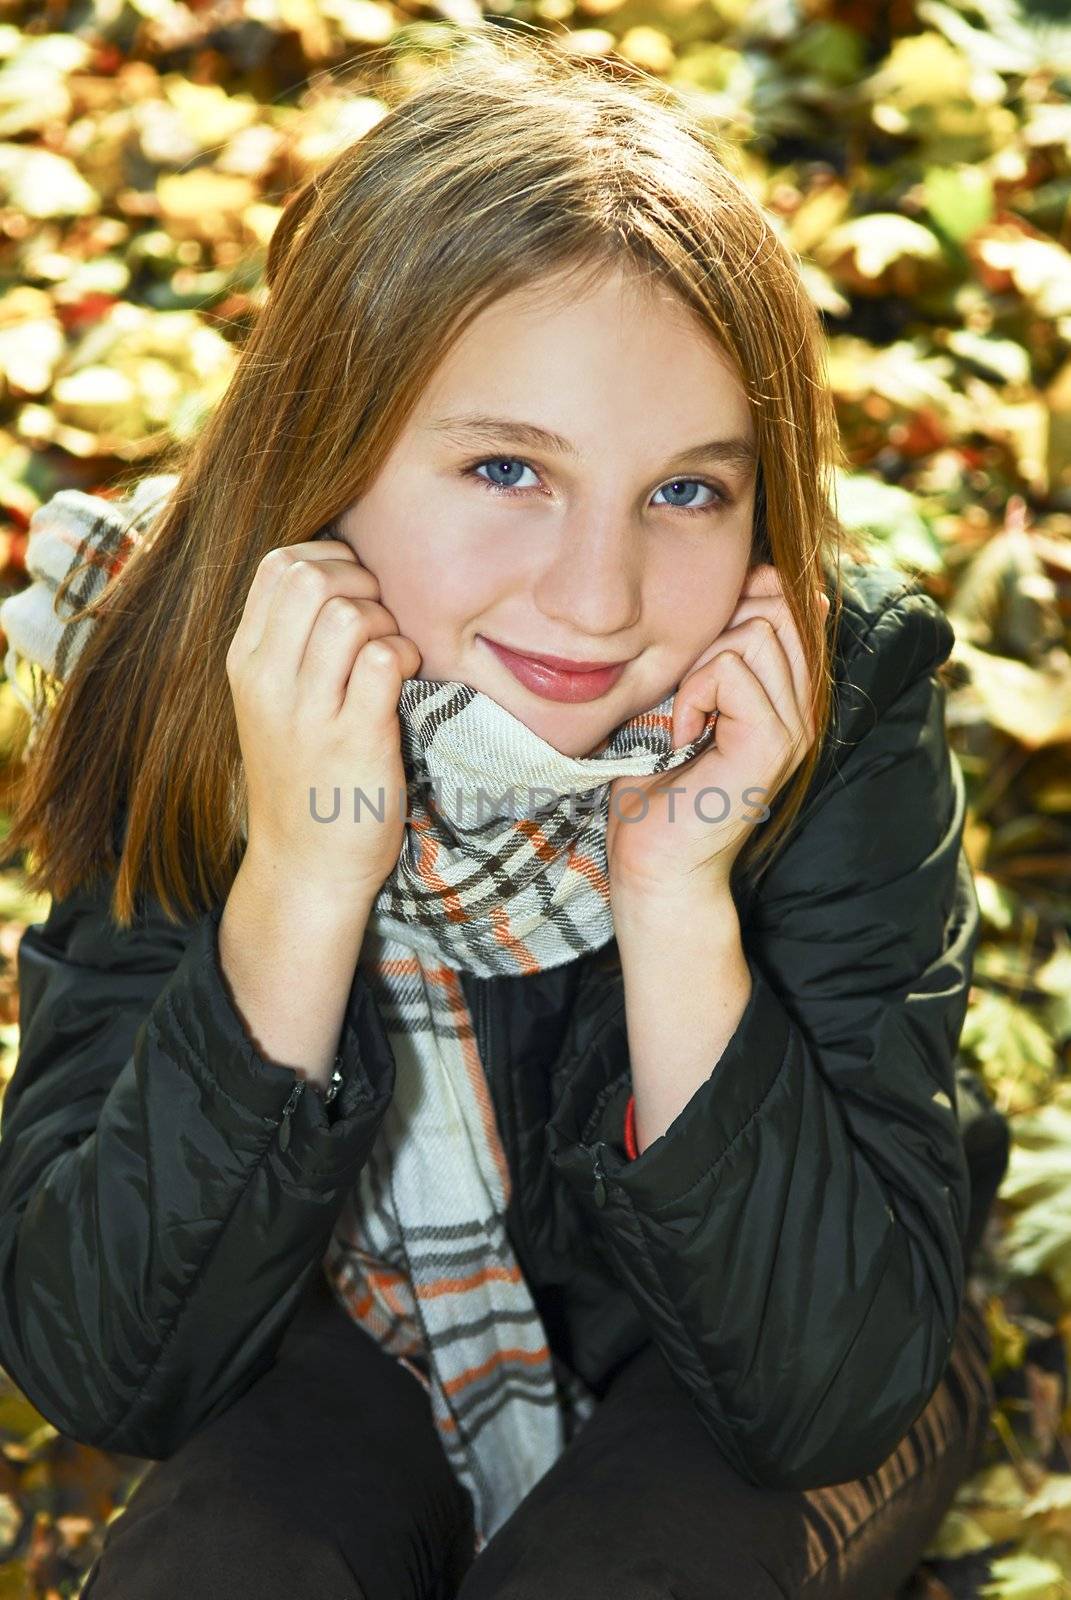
315	668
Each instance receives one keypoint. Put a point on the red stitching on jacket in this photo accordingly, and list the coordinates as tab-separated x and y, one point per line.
630	1128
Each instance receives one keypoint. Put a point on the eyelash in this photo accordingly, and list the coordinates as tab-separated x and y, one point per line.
723	502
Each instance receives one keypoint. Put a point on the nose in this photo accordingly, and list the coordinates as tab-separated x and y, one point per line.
592	585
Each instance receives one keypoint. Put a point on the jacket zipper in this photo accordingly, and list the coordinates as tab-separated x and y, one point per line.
599	1185
288	1109
480	1015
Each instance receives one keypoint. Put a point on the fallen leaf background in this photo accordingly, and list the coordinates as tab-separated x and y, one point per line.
917	156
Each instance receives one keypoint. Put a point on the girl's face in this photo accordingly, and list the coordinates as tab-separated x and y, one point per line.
624	539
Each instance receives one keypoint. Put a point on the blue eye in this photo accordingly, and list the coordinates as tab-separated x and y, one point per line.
720	502
500	461
711	505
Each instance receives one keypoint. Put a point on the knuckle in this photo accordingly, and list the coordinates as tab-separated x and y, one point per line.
340	615
307	574
340	611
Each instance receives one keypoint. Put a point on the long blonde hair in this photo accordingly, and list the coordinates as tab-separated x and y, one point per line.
511	161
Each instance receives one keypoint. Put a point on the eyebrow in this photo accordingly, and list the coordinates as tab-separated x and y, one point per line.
475	429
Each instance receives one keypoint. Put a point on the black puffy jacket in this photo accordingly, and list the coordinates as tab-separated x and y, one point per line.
795	1242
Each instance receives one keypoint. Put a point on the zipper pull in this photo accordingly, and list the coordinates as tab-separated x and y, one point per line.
600	1181
336	1082
284	1131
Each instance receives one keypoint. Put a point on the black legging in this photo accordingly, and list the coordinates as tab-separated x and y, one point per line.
326	1481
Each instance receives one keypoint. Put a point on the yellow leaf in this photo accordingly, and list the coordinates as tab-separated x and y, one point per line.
30	351
958	1535
211	116
1022	1576
98	398
816	215
1053	1495
203	195
1039	268
877	240
588	42
42	184
1032	704
921	70
649	48
361	21
262	219
332	123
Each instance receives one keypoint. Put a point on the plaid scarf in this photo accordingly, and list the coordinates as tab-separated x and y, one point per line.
502	870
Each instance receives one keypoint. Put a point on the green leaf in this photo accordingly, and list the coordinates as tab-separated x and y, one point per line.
959	199
999	1032
892	515
829	50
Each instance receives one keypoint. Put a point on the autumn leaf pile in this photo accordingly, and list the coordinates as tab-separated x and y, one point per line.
917	157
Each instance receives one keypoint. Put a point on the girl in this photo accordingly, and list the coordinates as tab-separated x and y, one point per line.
486	1120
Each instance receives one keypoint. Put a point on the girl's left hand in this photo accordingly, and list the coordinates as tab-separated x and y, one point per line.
754	676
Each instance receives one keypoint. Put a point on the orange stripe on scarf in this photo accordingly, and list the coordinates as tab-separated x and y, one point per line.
525	1357
440	1286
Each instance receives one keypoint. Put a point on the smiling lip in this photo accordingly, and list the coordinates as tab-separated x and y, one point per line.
556	679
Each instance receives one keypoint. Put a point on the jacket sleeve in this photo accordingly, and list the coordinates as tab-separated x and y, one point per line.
794	1239
165	1191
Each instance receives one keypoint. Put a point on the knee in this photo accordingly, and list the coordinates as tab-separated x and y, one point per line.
222	1536
579	1571
215	1540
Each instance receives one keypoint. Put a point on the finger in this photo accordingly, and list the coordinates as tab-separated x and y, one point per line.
797	714
776	611
731	688
758	641
274	565
776	607
341	628
376	679
302	588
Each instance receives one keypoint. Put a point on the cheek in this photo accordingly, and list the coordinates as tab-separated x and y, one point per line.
695	591
435	596
695	603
